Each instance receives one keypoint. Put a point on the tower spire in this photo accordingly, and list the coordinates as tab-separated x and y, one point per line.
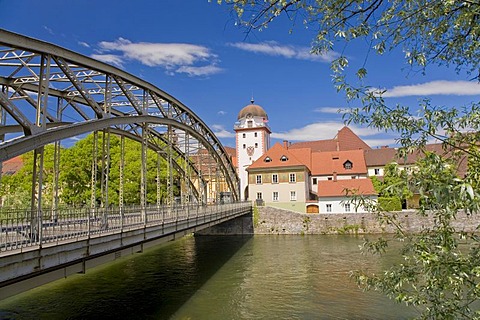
252	100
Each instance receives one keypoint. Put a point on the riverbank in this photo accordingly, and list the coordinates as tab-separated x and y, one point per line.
272	220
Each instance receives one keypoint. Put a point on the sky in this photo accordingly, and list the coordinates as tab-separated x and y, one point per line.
193	50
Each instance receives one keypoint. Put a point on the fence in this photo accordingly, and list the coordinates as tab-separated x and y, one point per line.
25	228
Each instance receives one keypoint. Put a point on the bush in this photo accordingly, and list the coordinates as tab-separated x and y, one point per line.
390	203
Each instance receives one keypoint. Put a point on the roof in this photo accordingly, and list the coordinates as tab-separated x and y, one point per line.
11	166
380	157
252	110
275	154
383	156
348	140
345	139
338	188
327	163
232	153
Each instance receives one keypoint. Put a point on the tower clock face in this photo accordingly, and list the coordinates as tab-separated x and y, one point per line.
250	150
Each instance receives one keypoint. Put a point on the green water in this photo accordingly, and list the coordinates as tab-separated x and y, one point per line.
260	277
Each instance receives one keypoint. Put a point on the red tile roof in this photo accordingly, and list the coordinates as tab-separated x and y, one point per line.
326	163
345	139
232	152
275	154
12	166
338	188
348	140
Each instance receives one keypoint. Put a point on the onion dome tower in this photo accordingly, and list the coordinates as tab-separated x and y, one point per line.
252	140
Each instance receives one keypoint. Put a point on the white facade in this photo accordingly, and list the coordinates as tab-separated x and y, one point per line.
252	141
341	205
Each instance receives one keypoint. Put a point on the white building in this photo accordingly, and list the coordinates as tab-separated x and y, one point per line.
252	140
338	196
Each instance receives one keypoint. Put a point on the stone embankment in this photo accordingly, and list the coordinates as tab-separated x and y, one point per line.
270	220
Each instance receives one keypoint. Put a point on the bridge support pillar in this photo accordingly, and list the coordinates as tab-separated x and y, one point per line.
238	226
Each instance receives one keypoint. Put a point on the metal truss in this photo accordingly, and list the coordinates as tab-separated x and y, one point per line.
48	93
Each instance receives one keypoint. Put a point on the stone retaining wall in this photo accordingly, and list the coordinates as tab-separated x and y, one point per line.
270	220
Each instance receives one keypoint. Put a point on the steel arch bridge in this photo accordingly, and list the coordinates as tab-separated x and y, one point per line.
48	93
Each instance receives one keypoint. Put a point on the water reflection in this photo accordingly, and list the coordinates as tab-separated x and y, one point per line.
264	277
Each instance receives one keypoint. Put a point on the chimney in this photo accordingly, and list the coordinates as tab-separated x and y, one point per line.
335	176
285	144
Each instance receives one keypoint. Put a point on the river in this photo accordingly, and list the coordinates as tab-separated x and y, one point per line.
219	277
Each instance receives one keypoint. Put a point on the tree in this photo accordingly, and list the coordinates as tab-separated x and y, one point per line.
440	273
75	181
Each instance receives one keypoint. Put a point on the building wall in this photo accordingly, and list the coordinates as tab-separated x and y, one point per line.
376	171
338	205
298	207
256	145
283	187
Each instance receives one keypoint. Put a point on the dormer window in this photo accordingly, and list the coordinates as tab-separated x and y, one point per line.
348	165
284	158
268	159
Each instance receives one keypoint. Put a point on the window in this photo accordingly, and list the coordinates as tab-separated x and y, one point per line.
348	165
244	146
244	135
250	124
259	195
255	134
293	195
377	172
330	178
329	208
292	177
256	145
283	158
275	196
259	179
347	207
314	181
274	178
354	177
267	159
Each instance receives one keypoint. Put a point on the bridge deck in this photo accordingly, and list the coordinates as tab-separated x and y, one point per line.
71	242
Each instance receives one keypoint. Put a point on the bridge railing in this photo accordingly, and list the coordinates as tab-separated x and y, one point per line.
24	228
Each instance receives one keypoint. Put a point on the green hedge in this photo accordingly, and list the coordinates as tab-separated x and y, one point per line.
390	203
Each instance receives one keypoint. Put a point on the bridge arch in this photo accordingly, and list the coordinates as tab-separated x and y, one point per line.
48	93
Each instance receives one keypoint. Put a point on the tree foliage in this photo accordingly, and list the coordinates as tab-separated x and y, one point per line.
440	273
75	180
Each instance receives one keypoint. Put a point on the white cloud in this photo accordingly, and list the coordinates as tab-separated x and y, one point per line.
109	58
221	113
220	132
334	110
194	60
84	44
328	130
272	48
48	30
199	71
380	142
441	87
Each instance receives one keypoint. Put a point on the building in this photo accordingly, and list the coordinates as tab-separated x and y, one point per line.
252	136
306	180
339	196
281	178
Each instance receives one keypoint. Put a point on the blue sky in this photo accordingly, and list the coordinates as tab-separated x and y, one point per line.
193	50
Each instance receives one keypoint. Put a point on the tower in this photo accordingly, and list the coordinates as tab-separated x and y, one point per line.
252	140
